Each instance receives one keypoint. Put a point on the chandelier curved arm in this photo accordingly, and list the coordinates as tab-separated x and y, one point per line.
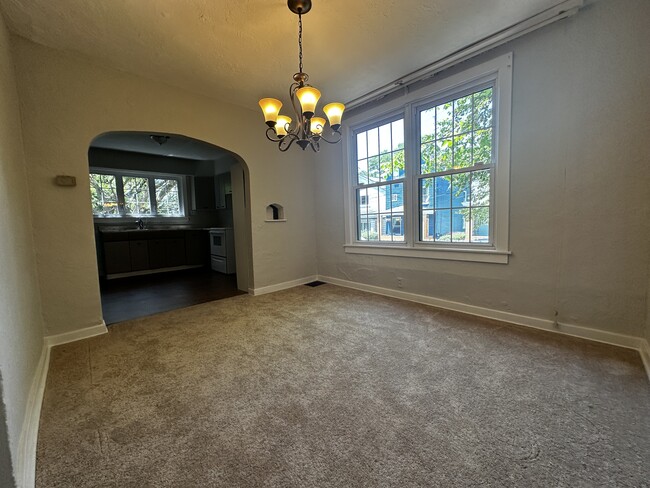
272	136
285	143
337	137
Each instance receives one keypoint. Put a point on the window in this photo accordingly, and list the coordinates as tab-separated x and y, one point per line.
430	177
380	175
456	160
126	194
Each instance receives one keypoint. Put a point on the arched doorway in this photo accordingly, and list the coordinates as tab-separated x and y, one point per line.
172	222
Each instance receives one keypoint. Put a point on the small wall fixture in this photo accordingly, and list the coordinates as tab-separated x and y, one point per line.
308	131
65	180
159	139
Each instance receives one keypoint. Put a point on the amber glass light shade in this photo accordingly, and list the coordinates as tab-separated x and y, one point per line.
316	125
308	96
281	126
271	107
334	112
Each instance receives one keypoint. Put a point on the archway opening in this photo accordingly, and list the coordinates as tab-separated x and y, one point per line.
172	222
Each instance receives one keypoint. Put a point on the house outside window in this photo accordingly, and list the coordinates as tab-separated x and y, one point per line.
117	194
429	172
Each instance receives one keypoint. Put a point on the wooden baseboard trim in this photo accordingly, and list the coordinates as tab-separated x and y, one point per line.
597	335
25	469
644	350
76	335
282	286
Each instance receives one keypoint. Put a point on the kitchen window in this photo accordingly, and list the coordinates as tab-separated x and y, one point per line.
130	194
429	171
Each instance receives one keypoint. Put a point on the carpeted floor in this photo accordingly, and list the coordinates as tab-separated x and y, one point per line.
326	386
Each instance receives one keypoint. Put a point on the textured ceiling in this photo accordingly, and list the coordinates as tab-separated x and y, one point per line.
240	51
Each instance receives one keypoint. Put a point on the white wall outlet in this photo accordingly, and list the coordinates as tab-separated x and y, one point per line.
400	282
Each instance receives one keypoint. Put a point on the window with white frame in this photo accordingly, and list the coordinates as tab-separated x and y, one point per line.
432	179
380	181
127	194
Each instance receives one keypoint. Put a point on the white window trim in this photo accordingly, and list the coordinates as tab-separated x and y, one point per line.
118	173
497	70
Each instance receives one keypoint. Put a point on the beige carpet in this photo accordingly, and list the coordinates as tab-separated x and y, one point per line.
325	386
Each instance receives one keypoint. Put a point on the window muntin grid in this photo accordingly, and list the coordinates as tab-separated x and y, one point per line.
380	171
118	193
137	201
168	201
455	183
103	195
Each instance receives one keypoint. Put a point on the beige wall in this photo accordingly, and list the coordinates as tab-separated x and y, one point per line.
580	183
66	101
21	326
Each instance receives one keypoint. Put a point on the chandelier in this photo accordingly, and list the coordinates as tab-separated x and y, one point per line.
308	130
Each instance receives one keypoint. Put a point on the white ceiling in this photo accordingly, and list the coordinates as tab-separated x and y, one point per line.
240	51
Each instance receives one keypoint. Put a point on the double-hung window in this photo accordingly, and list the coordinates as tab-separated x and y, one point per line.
429	171
380	182
126	194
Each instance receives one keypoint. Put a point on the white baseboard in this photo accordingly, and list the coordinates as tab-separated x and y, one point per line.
612	338
282	286
25	469
76	335
645	355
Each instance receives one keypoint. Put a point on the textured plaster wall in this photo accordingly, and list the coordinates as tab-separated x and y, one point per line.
66	101
580	184
21	326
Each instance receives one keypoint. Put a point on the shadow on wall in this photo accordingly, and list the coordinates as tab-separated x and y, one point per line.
6	472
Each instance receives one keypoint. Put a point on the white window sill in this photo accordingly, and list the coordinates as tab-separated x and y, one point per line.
452	254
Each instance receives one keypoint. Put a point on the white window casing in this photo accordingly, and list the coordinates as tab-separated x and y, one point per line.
496	73
151	177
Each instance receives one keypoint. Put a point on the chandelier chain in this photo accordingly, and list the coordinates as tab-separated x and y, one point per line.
300	41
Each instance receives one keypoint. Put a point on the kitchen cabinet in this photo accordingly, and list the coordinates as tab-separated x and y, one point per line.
196	247
223	187
167	251
209	192
150	250
139	255
157	253
117	257
175	252
203	193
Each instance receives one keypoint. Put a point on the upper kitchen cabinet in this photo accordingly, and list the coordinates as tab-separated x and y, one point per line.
222	187
209	192
203	193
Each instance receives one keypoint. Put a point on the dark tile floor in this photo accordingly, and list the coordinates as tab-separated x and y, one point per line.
138	296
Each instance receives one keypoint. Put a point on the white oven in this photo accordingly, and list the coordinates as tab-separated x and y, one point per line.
222	250
218	242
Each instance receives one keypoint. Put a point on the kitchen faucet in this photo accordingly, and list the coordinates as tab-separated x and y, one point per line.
140	223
